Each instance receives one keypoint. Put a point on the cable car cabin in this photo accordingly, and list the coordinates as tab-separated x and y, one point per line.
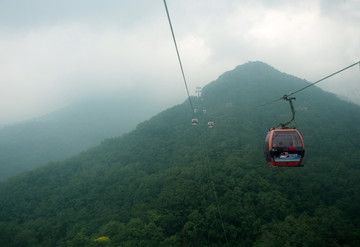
284	148
194	121
211	124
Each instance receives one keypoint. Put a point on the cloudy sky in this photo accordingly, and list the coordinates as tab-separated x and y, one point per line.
55	52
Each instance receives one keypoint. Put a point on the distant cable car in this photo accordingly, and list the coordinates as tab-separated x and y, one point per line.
284	148
204	111
194	121
211	124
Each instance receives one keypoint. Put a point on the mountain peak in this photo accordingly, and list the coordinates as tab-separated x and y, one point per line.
251	83
254	67
254	64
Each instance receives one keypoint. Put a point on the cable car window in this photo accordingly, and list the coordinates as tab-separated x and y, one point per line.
286	139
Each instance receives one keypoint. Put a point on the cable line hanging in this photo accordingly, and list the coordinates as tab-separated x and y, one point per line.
285	97
348	67
195	121
210	175
178	55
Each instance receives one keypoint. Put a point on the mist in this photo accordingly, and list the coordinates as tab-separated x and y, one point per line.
55	53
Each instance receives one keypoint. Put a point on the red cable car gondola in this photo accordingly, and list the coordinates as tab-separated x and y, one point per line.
284	148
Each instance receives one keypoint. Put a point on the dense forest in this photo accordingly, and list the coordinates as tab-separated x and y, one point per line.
68	131
168	183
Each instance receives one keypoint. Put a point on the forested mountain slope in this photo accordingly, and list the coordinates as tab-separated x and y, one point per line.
68	131
168	183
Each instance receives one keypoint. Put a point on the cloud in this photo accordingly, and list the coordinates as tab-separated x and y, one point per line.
61	63
24	15
56	52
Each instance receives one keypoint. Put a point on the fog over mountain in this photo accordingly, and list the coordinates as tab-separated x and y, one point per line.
70	130
168	183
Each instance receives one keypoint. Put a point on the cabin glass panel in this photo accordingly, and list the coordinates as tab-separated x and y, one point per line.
286	139
266	147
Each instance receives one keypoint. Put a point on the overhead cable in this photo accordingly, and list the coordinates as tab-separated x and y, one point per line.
292	93
326	77
178	55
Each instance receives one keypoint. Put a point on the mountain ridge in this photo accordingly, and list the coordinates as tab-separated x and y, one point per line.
68	131
164	183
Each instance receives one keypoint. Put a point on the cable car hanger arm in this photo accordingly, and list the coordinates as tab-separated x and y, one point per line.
286	97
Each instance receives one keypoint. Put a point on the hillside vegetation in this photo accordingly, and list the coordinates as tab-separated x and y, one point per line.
168	183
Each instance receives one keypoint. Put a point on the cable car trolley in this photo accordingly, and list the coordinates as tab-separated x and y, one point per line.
284	147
